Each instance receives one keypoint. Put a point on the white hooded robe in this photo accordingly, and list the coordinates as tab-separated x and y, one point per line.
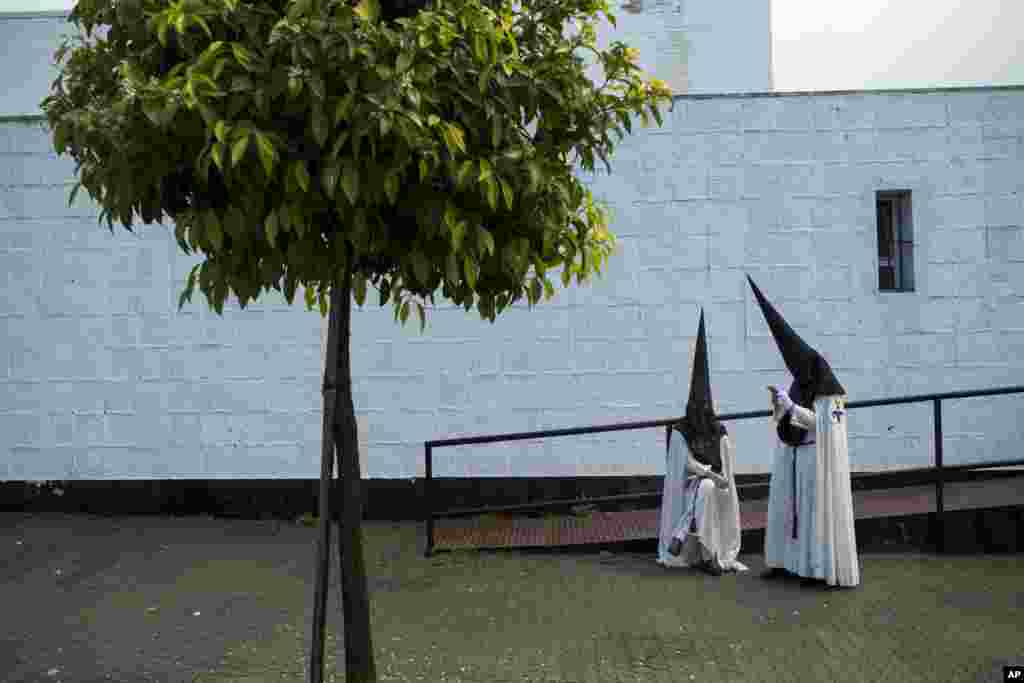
717	512
825	546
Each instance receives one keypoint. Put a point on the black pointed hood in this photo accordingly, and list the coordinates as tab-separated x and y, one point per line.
811	372
700	426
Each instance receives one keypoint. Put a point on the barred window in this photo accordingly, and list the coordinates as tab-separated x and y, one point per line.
895	241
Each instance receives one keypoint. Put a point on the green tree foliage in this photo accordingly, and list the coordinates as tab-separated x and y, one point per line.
435	150
419	147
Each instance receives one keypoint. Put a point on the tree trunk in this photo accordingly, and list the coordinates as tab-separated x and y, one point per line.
340	436
359	664
323	556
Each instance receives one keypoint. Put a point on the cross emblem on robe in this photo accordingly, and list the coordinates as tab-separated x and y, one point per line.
837	414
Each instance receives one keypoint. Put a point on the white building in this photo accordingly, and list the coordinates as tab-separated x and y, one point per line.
103	379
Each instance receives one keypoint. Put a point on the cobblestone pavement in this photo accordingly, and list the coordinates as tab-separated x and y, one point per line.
200	600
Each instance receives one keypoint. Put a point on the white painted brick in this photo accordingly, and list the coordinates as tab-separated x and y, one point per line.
777	113
763	355
850	146
914	350
21	428
677	182
625	387
691	285
707	115
668	321
711	148
904	111
47	201
788	247
978	347
535	356
966	107
263	462
1004	210
868	354
829	248
727	183
779	146
1011	346
975	315
289	361
125	330
536	390
728	249
1003	279
1008	316
218	428
25	138
955	212
1002	175
797	212
185	397
936	315
797	179
943	279
37	169
956	246
844	318
913	175
664	285
911	144
965	141
723	286
89	429
186	431
152	431
378	392
845	179
1007	148
987	107
714	217
779	284
41	463
957	178
644	219
135	363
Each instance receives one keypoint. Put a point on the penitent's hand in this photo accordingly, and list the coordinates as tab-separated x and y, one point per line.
720	482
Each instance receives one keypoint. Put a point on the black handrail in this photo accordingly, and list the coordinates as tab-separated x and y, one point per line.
938	467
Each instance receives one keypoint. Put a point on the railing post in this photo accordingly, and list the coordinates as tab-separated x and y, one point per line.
940	472
428	498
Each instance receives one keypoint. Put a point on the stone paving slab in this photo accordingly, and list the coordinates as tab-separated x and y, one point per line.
200	600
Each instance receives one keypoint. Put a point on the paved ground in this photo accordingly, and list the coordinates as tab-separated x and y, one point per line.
88	599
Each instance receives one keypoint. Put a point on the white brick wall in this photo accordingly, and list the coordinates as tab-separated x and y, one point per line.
101	376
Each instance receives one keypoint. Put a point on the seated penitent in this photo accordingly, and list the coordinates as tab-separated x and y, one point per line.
700	514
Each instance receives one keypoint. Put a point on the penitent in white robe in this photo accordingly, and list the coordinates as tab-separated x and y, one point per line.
717	512
825	546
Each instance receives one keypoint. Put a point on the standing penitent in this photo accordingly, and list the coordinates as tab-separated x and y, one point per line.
700	512
810	530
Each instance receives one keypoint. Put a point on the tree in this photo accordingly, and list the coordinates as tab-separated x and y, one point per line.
417	148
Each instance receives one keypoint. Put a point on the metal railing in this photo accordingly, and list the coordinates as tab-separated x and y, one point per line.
938	469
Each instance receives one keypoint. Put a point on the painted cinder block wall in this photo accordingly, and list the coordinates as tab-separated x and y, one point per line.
102	377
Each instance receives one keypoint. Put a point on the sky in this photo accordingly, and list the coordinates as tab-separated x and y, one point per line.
866	44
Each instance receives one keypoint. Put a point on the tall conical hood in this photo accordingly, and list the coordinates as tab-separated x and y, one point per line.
809	368
700	376
700	425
